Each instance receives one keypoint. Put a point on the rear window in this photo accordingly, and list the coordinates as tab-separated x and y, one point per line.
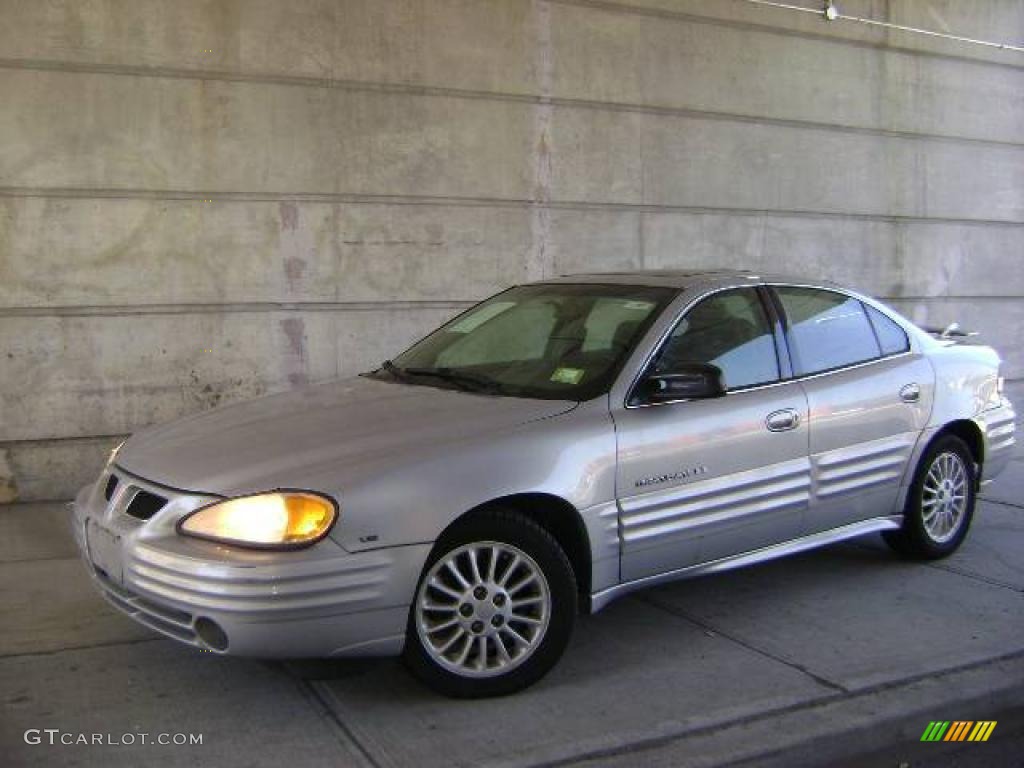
827	330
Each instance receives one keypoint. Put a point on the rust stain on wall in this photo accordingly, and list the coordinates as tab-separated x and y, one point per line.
294	329
294	269
8	485
293	247
289	215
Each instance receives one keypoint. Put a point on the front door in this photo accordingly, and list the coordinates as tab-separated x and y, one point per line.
700	480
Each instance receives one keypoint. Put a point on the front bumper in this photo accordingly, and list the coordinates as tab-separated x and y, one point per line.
317	602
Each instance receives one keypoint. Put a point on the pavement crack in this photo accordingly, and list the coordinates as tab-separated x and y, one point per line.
975	577
988	500
673	610
309	690
49	559
58	651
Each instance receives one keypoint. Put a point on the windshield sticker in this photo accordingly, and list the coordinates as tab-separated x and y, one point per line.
644	305
475	319
567	375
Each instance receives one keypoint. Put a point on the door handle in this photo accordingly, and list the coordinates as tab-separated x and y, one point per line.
910	393
782	421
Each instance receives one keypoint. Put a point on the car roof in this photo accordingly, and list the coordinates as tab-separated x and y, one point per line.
686	278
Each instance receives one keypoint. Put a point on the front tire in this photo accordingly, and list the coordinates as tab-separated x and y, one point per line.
494	608
940	505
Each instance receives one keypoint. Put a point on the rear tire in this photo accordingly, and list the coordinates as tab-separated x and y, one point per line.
494	607
940	504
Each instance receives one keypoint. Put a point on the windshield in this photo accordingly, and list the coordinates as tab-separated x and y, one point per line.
553	341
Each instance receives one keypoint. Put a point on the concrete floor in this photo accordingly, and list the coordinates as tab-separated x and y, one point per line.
816	659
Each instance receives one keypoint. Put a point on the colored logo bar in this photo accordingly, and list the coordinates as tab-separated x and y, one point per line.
958	730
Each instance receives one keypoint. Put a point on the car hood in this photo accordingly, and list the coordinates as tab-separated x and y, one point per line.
341	429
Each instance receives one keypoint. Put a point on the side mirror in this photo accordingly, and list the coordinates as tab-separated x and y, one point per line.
688	381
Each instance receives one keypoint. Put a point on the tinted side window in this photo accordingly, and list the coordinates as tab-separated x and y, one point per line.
826	330
730	330
891	337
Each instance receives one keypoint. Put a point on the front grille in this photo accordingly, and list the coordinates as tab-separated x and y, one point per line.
108	492
144	505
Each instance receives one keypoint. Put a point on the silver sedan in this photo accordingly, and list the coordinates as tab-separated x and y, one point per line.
554	447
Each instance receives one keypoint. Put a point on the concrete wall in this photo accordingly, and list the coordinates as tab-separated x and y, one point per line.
205	200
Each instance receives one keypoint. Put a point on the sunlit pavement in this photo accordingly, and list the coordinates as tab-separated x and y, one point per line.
819	658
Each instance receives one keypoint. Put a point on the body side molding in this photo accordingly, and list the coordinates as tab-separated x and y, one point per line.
888	523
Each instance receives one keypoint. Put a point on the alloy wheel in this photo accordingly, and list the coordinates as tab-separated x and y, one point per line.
483	609
944	497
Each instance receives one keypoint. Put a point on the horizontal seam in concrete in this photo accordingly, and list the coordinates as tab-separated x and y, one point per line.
132	310
944	297
670	738
114	310
682	16
104	193
679	613
65	439
413	89
34	442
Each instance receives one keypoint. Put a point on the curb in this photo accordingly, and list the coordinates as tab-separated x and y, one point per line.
829	728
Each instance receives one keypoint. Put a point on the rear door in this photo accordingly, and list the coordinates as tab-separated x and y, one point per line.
703	479
869	396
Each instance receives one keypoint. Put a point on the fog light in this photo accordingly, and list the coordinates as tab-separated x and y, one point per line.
211	634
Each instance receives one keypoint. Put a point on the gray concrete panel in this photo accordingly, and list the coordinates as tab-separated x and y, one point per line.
127	372
610	56
186	252
146	133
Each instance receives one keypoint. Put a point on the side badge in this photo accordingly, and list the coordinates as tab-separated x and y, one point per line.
684	474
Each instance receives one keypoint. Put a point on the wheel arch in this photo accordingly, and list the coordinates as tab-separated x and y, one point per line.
560	519
968	431
965	429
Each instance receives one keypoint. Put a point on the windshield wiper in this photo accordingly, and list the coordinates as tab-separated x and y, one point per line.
394	370
470	382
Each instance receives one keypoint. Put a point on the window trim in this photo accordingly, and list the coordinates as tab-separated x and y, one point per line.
787	371
769	289
769	317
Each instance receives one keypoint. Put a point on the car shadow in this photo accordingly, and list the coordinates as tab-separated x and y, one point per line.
622	633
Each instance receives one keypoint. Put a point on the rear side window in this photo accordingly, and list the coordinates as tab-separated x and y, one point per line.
891	337
826	330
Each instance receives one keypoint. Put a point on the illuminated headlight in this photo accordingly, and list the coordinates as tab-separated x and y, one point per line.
282	520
